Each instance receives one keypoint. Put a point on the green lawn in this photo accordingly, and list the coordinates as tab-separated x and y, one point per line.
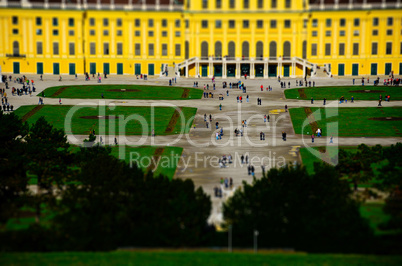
162	115
335	93
117	92
352	122
192	258
374	213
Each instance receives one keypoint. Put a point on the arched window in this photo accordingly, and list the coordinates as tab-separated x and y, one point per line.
304	49
259	50
187	49
204	49
286	50
218	49
231	49
272	50
16	48
245	51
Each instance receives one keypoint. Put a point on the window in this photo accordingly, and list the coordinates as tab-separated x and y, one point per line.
187	22
341	49
177	23
218	24
260	4
137	49
288	4
55	32
119	48
205	4
356	33
92	48
313	49
232	3
328	22
375	21
314	33
38	21
178	49
119	22
92	32
106	48
246	4
328	33
356	22
273	24
71	22
164	33
260	24
400	52
305	22
15	31
15	20
315	22
16	48
105	33
273	4
150	22
150	33
119	33
91	22
38	32
327	49
137	22
164	49
374	48
375	32
71	33
355	49
245	24
390	21
137	33
178	33
164	23
342	33
218	4
39	48
287	24
342	22
105	22
71	48
388	48
55	48
55	22
389	32
231	24
204	24
150	49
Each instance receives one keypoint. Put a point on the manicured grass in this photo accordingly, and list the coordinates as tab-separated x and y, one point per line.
191	258
115	92
335	93
162	115
309	158
352	122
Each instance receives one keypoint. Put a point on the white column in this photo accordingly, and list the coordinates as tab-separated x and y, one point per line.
252	69
211	67
238	70
266	69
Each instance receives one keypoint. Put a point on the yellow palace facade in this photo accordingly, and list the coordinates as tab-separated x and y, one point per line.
202	38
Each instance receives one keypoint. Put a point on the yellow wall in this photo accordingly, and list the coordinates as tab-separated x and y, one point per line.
195	35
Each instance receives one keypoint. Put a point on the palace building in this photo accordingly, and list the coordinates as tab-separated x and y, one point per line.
202	38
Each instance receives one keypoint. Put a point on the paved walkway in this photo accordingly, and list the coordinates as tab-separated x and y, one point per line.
201	153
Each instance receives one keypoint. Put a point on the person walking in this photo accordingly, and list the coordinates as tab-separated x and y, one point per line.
220	107
59	100
325	101
312	100
312	138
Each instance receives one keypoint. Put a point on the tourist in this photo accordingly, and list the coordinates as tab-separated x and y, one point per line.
312	138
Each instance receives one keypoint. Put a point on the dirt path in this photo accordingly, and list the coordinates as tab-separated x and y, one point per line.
185	94
173	121
31	113
311	119
302	94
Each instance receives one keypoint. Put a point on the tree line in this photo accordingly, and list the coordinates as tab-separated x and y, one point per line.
90	200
